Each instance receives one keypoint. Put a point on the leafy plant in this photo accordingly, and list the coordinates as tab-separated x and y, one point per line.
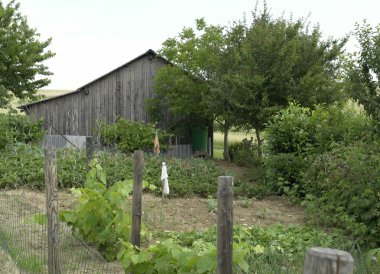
284	173
212	204
342	189
128	136
19	129
100	216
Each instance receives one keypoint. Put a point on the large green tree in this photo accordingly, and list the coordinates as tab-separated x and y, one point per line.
250	71
194	87
363	71
22	55
285	60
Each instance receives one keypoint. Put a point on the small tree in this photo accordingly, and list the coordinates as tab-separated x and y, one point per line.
363	71
21	56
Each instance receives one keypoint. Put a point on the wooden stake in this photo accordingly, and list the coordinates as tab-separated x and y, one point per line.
225	225
138	162
52	210
328	261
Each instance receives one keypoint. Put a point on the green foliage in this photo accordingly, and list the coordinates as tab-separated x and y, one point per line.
343	189
284	173
19	129
305	131
290	131
244	153
372	260
21	57
254	248
363	70
128	136
100	215
169	257
22	165
212	204
296	135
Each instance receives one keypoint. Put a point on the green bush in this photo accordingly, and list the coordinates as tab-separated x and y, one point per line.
290	131
19	129
128	136
284	173
338	124
297	135
244	153
343	190
304	131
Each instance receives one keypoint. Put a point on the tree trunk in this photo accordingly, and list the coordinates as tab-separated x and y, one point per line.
226	154
259	144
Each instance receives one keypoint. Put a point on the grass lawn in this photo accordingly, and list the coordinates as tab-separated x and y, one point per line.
233	136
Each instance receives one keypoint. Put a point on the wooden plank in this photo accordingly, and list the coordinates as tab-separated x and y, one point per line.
138	162
224	242
52	210
328	261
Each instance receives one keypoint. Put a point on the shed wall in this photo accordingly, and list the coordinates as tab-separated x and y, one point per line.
120	93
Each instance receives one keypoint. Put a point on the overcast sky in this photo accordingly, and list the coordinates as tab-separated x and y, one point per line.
92	37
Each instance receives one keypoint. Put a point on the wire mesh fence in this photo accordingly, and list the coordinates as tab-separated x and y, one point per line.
23	236
23	211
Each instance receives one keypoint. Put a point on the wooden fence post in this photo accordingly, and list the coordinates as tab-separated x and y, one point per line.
328	261
138	162
224	242
89	151
52	210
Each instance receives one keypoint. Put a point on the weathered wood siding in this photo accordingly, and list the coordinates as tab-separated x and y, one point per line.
122	92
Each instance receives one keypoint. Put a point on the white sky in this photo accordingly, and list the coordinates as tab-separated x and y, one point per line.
92	37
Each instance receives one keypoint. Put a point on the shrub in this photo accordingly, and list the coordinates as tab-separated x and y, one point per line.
284	173
338	125
343	190
244	153
297	135
290	131
19	129
301	130
128	136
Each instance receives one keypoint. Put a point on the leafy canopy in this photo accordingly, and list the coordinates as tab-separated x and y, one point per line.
22	55
283	60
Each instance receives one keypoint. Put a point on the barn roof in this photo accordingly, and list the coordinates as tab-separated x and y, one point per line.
150	52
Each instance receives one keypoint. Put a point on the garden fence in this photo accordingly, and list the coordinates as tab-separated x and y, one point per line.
24	236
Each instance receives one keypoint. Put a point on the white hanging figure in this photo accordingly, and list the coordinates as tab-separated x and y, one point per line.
164	179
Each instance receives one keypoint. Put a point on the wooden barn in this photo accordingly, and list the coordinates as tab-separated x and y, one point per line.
122	92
